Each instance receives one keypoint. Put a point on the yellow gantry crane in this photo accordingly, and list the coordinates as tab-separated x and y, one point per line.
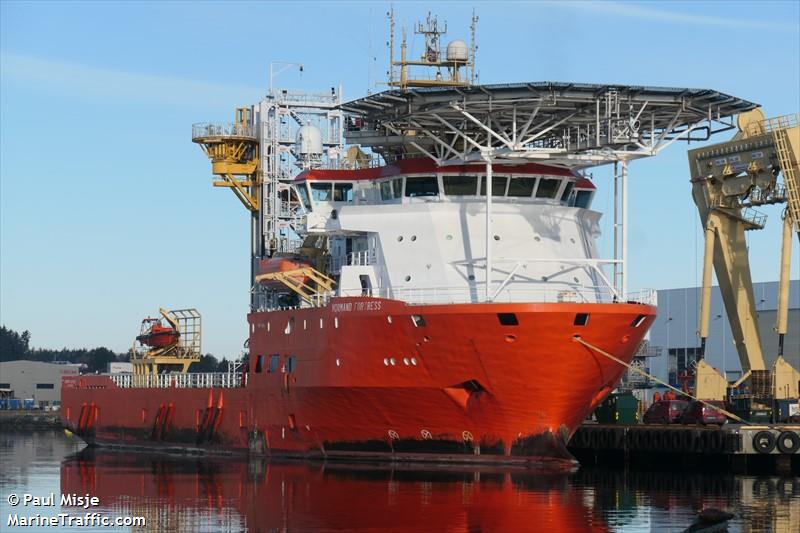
728	181
233	151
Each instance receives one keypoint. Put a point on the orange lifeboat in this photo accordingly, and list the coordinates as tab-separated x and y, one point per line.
293	266
156	335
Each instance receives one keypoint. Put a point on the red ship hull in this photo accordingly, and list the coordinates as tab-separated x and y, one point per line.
385	379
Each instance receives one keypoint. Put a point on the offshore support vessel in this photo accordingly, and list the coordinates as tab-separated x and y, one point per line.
426	283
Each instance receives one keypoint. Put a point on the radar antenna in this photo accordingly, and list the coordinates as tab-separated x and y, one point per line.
454	68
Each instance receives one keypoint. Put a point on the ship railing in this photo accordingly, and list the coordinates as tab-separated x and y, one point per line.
462	295
510	294
199	380
361	258
204	130
368	161
771	124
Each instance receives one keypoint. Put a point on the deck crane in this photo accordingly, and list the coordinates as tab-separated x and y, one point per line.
728	181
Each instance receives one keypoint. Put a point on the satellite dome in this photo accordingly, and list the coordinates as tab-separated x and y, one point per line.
308	140
457	51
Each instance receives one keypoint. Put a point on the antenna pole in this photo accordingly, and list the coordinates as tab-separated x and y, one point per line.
391	45
473	46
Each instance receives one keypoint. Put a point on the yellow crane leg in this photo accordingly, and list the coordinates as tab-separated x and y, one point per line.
783	284
705	302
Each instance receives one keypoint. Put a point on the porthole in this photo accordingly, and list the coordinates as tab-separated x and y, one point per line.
576	280
408	278
392	361
449	237
537	238
426	338
471	277
386	361
497	237
320	323
418	321
581	319
413	237
336	321
405	361
389	318
413	361
338	362
508	319
572	240
400	238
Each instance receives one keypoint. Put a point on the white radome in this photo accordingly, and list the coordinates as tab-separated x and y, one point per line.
308	140
457	51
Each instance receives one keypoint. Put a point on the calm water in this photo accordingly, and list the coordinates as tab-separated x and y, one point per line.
215	495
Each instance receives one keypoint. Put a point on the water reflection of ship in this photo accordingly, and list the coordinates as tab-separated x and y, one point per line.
178	494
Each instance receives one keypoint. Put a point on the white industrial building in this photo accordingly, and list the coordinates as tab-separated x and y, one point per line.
675	330
35	380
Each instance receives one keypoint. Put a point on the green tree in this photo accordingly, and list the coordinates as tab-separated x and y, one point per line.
14	346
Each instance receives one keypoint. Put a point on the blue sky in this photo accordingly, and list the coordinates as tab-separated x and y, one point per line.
106	207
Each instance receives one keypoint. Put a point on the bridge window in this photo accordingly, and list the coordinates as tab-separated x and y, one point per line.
45	386
548	188
343	192
422	186
397	187
259	364
583	199
274	362
302	192
460	185
567	191
521	187
498	185
386	191
290	364
321	192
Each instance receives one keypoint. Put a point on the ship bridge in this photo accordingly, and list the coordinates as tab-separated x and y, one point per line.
571	125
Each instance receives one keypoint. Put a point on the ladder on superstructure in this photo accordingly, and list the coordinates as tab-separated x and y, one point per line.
780	127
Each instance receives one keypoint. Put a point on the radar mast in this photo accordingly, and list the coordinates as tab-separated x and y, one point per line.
454	68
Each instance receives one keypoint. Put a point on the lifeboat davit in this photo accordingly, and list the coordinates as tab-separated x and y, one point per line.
292	266
156	335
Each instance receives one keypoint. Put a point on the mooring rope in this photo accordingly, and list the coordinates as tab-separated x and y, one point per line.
650	376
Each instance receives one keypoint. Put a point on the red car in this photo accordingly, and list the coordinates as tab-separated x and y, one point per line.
665	412
701	413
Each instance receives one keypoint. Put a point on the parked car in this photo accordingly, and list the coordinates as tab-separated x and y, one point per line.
701	413
665	412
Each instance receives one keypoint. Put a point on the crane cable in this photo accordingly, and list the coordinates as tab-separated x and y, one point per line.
578	339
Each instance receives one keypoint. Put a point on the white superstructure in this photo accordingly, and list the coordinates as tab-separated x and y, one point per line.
419	235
